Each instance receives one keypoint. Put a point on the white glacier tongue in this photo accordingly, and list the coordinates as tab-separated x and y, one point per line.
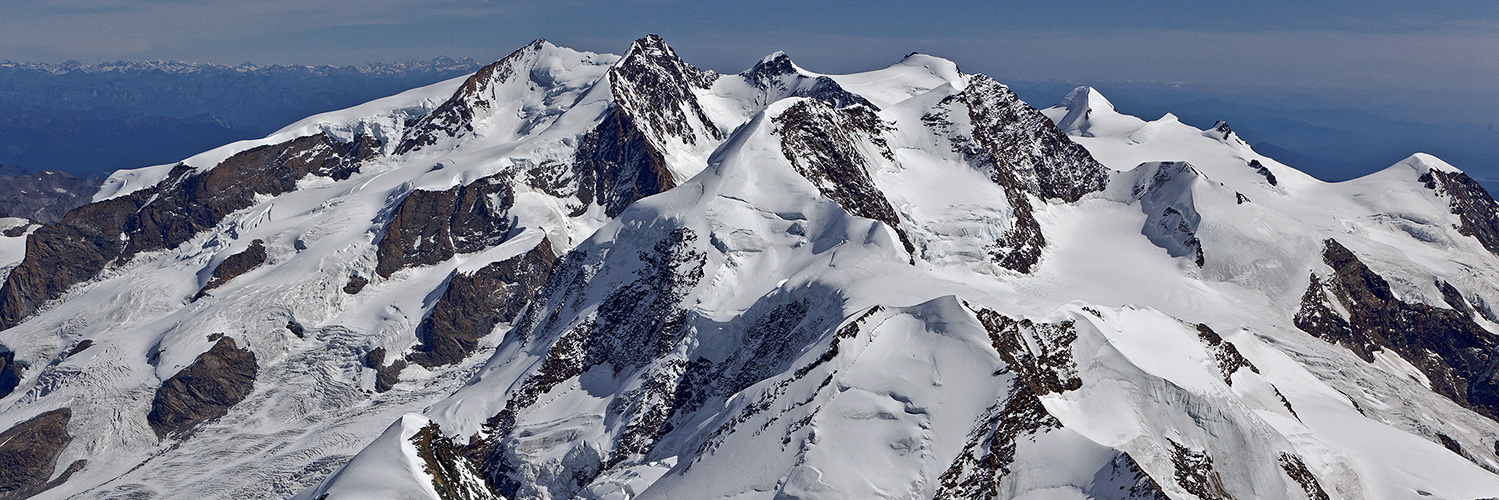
577	275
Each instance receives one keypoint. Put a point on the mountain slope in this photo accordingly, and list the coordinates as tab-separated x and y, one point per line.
576	275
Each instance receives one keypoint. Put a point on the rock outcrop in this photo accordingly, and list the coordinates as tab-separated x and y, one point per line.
1021	151
355	284
386	376
1457	355
1477	211
1260	168
825	145
432	226
29	452
205	390
779	78
10	371
474	304
1165	192
235	265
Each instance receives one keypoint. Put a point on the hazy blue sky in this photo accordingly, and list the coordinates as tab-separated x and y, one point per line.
1440	58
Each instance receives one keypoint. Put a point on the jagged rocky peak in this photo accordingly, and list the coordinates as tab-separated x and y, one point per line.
1020	150
774	65
654	89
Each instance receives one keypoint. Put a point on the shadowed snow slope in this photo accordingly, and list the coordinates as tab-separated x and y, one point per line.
577	275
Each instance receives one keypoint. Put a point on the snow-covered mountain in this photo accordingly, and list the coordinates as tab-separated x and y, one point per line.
578	275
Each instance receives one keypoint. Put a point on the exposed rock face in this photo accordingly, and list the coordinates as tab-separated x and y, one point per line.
10	372
1472	204
1132	482
990	451
1260	168
191	201
1228	357
615	165
45	196
453	476
823	144
432	226
1194	473
1023	152
1041	353
1454	298
475	303
29	451
633	325
355	284
1023	145
653	87
386	376
186	203
62	255
205	390
1454	353
235	265
1297	471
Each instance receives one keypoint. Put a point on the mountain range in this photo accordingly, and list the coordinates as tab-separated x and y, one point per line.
581	275
93	119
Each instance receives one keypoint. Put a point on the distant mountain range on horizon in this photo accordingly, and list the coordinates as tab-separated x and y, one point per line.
92	119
